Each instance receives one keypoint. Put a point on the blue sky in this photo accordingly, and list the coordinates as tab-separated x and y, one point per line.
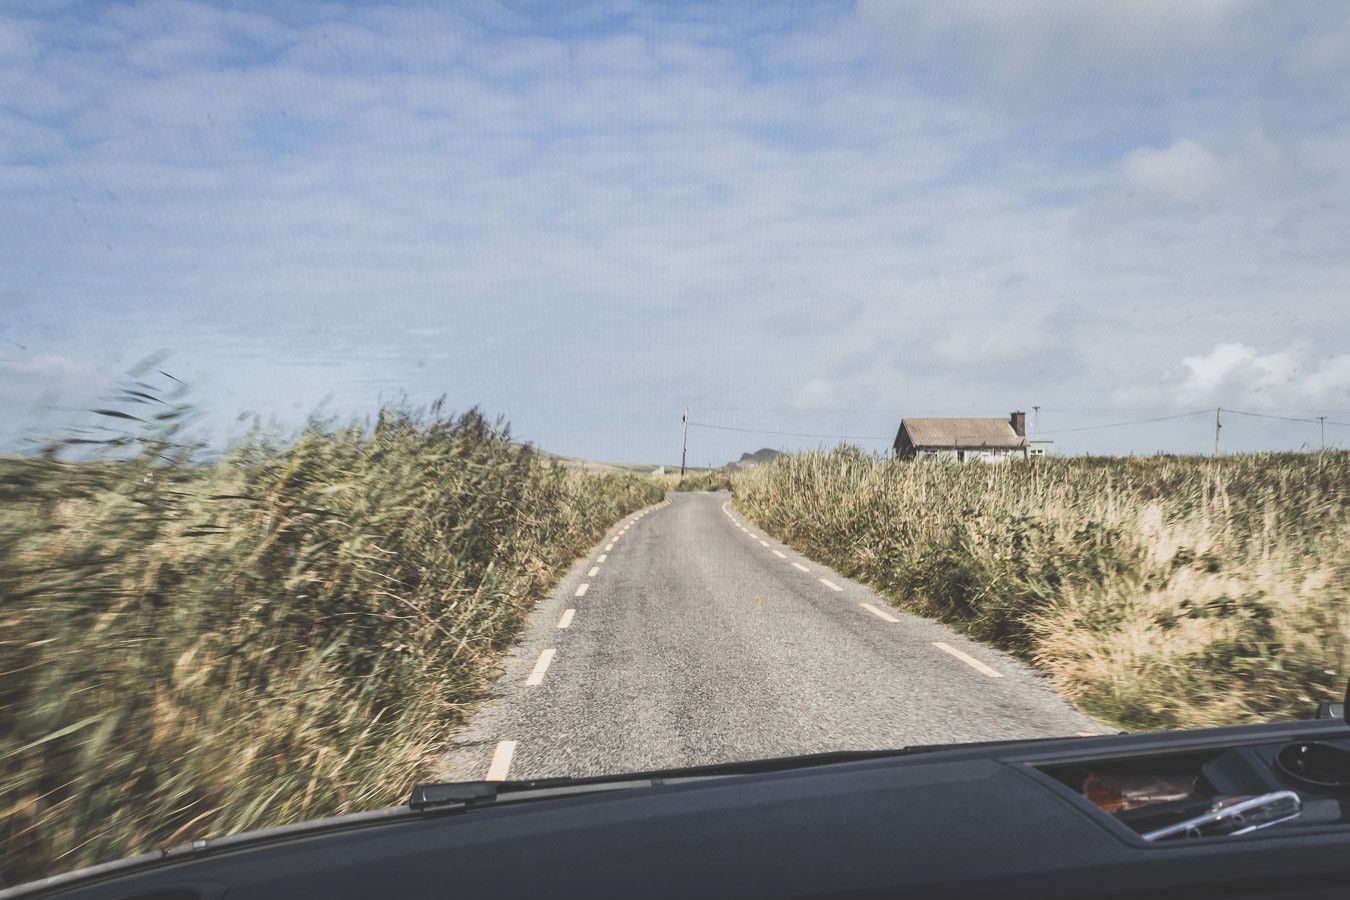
807	218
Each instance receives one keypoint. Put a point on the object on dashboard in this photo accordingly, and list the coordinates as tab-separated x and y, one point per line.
1315	763
1240	772
1233	816
1149	818
1116	792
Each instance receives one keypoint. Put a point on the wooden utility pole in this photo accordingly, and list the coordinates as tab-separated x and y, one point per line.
1218	426
1322	420
1036	418
684	441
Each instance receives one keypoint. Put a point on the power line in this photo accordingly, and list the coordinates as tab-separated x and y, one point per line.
1184	415
1318	420
947	410
869	437
1257	415
842	437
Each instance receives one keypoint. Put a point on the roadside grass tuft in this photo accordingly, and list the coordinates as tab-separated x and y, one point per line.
706	480
1153	592
288	632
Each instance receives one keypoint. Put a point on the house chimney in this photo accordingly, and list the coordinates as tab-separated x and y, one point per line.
1019	423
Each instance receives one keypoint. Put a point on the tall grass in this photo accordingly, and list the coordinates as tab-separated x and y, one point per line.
1155	592
709	479
286	633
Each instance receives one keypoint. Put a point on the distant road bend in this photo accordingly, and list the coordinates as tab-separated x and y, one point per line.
689	637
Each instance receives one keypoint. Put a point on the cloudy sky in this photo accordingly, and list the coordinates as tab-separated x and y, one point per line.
807	218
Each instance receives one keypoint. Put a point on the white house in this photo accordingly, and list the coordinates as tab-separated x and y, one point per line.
963	440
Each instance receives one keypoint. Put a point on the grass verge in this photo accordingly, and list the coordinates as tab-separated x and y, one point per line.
1153	592
286	633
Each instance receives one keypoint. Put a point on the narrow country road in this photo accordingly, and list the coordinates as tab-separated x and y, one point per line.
688	637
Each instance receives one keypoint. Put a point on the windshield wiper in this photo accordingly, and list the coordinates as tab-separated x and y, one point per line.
456	796
459	795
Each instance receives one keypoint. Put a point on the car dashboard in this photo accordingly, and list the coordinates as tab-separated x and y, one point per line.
1128	816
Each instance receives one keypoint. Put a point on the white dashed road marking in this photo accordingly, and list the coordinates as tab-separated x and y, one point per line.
583	588
609	546
764	543
540	667
830	584
968	660
797	565
879	613
566	618
501	761
601	558
595	570
780	554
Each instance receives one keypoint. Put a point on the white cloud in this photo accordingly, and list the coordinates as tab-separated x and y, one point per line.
1237	373
712	199
23	376
1183	172
820	393
16	40
1043	48
36	387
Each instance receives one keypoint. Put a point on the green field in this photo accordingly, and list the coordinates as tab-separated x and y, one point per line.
1154	592
286	633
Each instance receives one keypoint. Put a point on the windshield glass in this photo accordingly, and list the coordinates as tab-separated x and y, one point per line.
415	392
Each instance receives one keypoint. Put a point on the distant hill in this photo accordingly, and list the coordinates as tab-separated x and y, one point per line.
750	460
592	465
595	465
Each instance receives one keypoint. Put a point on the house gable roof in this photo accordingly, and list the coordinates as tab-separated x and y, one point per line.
968	433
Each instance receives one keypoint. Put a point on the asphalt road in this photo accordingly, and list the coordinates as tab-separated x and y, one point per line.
687	637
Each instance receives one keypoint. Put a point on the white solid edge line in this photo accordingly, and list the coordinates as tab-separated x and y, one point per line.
540	667
601	558
566	618
879	613
780	554
798	565
582	588
501	761
595	570
830	584
968	660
